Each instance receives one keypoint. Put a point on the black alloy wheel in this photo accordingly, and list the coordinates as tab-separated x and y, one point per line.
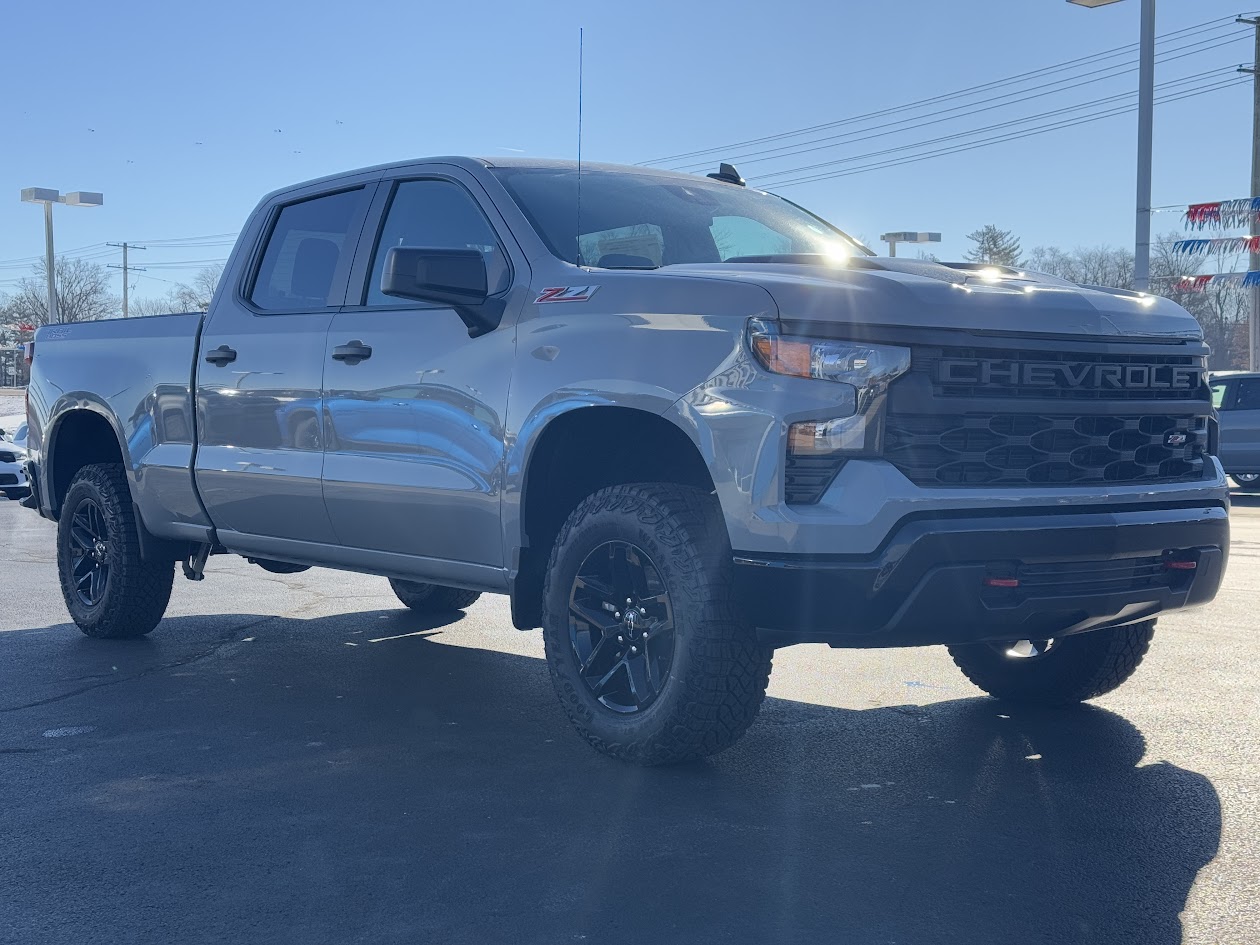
89	552
621	627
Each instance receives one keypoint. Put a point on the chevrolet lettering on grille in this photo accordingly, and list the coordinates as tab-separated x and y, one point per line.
1066	374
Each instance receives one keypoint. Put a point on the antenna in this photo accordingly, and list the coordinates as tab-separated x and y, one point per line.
577	255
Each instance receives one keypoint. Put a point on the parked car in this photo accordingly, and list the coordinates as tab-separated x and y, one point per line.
1236	396
687	426
13	429
13	481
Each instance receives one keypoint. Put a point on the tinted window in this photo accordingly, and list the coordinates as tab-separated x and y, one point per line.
1218	394
740	236
1248	395
672	219
625	246
305	247
435	214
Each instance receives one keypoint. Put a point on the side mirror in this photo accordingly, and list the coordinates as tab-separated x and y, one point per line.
454	277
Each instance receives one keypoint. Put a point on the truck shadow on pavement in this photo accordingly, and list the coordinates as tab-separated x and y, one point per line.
257	779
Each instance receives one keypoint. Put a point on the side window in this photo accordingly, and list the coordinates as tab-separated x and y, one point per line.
306	244
1248	395
435	214
1219	389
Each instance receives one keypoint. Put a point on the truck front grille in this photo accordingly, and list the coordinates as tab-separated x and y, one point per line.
998	449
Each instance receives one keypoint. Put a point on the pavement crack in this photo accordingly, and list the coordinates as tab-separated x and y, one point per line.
196	657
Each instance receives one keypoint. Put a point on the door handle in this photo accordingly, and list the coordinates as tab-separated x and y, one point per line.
352	353
221	355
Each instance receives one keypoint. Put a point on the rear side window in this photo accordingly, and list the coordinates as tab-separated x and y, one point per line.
1248	395
307	245
435	214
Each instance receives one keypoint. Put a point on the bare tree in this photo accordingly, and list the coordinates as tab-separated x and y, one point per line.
196	297
1085	265
162	305
82	294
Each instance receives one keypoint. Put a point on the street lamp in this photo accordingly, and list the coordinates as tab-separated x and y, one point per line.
48	197
1146	122
892	239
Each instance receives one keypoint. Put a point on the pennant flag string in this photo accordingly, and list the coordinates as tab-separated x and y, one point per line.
1200	283
1223	214
1231	244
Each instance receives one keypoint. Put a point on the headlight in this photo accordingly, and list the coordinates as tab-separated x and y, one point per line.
863	366
853	426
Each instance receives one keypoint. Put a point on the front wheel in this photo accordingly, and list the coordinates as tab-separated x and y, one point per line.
1056	672
644	643
1247	482
109	589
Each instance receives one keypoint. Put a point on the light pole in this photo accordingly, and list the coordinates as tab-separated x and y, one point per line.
892	239
48	197
1146	123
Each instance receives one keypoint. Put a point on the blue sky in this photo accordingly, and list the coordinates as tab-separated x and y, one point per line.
184	115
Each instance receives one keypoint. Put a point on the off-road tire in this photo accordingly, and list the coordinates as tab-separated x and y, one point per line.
1078	667
137	591
719	672
433	598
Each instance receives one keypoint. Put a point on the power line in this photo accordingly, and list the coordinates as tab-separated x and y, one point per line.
1207	26
997	127
1004	138
909	124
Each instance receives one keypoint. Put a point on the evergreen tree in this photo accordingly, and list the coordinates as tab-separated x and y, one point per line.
998	247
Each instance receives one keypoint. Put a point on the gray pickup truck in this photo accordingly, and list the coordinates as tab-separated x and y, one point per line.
680	422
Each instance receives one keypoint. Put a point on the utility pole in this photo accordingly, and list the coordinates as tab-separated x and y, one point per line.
1253	326
125	269
1146	121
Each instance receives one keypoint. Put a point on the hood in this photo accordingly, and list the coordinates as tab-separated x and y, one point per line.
874	291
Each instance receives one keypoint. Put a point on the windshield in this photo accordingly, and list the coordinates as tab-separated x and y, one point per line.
641	221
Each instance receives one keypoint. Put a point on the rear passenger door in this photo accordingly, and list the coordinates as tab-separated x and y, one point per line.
414	451
260	369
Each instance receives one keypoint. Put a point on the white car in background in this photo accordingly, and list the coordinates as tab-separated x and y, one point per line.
13	482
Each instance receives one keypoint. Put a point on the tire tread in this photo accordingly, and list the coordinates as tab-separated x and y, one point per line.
140	590
729	670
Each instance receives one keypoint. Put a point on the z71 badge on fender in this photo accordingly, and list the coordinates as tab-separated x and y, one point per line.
566	293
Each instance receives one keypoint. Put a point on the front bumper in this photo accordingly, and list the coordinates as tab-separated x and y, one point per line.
1076	571
13	476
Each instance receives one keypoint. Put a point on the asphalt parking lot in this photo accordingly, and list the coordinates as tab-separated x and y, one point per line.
299	759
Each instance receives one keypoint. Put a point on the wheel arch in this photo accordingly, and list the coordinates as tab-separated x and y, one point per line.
80	436
575	453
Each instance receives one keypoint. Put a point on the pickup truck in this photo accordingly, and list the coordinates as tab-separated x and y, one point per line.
1236	396
679	421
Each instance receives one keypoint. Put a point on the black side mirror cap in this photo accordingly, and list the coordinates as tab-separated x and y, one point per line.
454	277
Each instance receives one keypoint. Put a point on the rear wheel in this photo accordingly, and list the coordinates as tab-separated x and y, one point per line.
110	591
644	643
1056	672
1247	482
433	598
